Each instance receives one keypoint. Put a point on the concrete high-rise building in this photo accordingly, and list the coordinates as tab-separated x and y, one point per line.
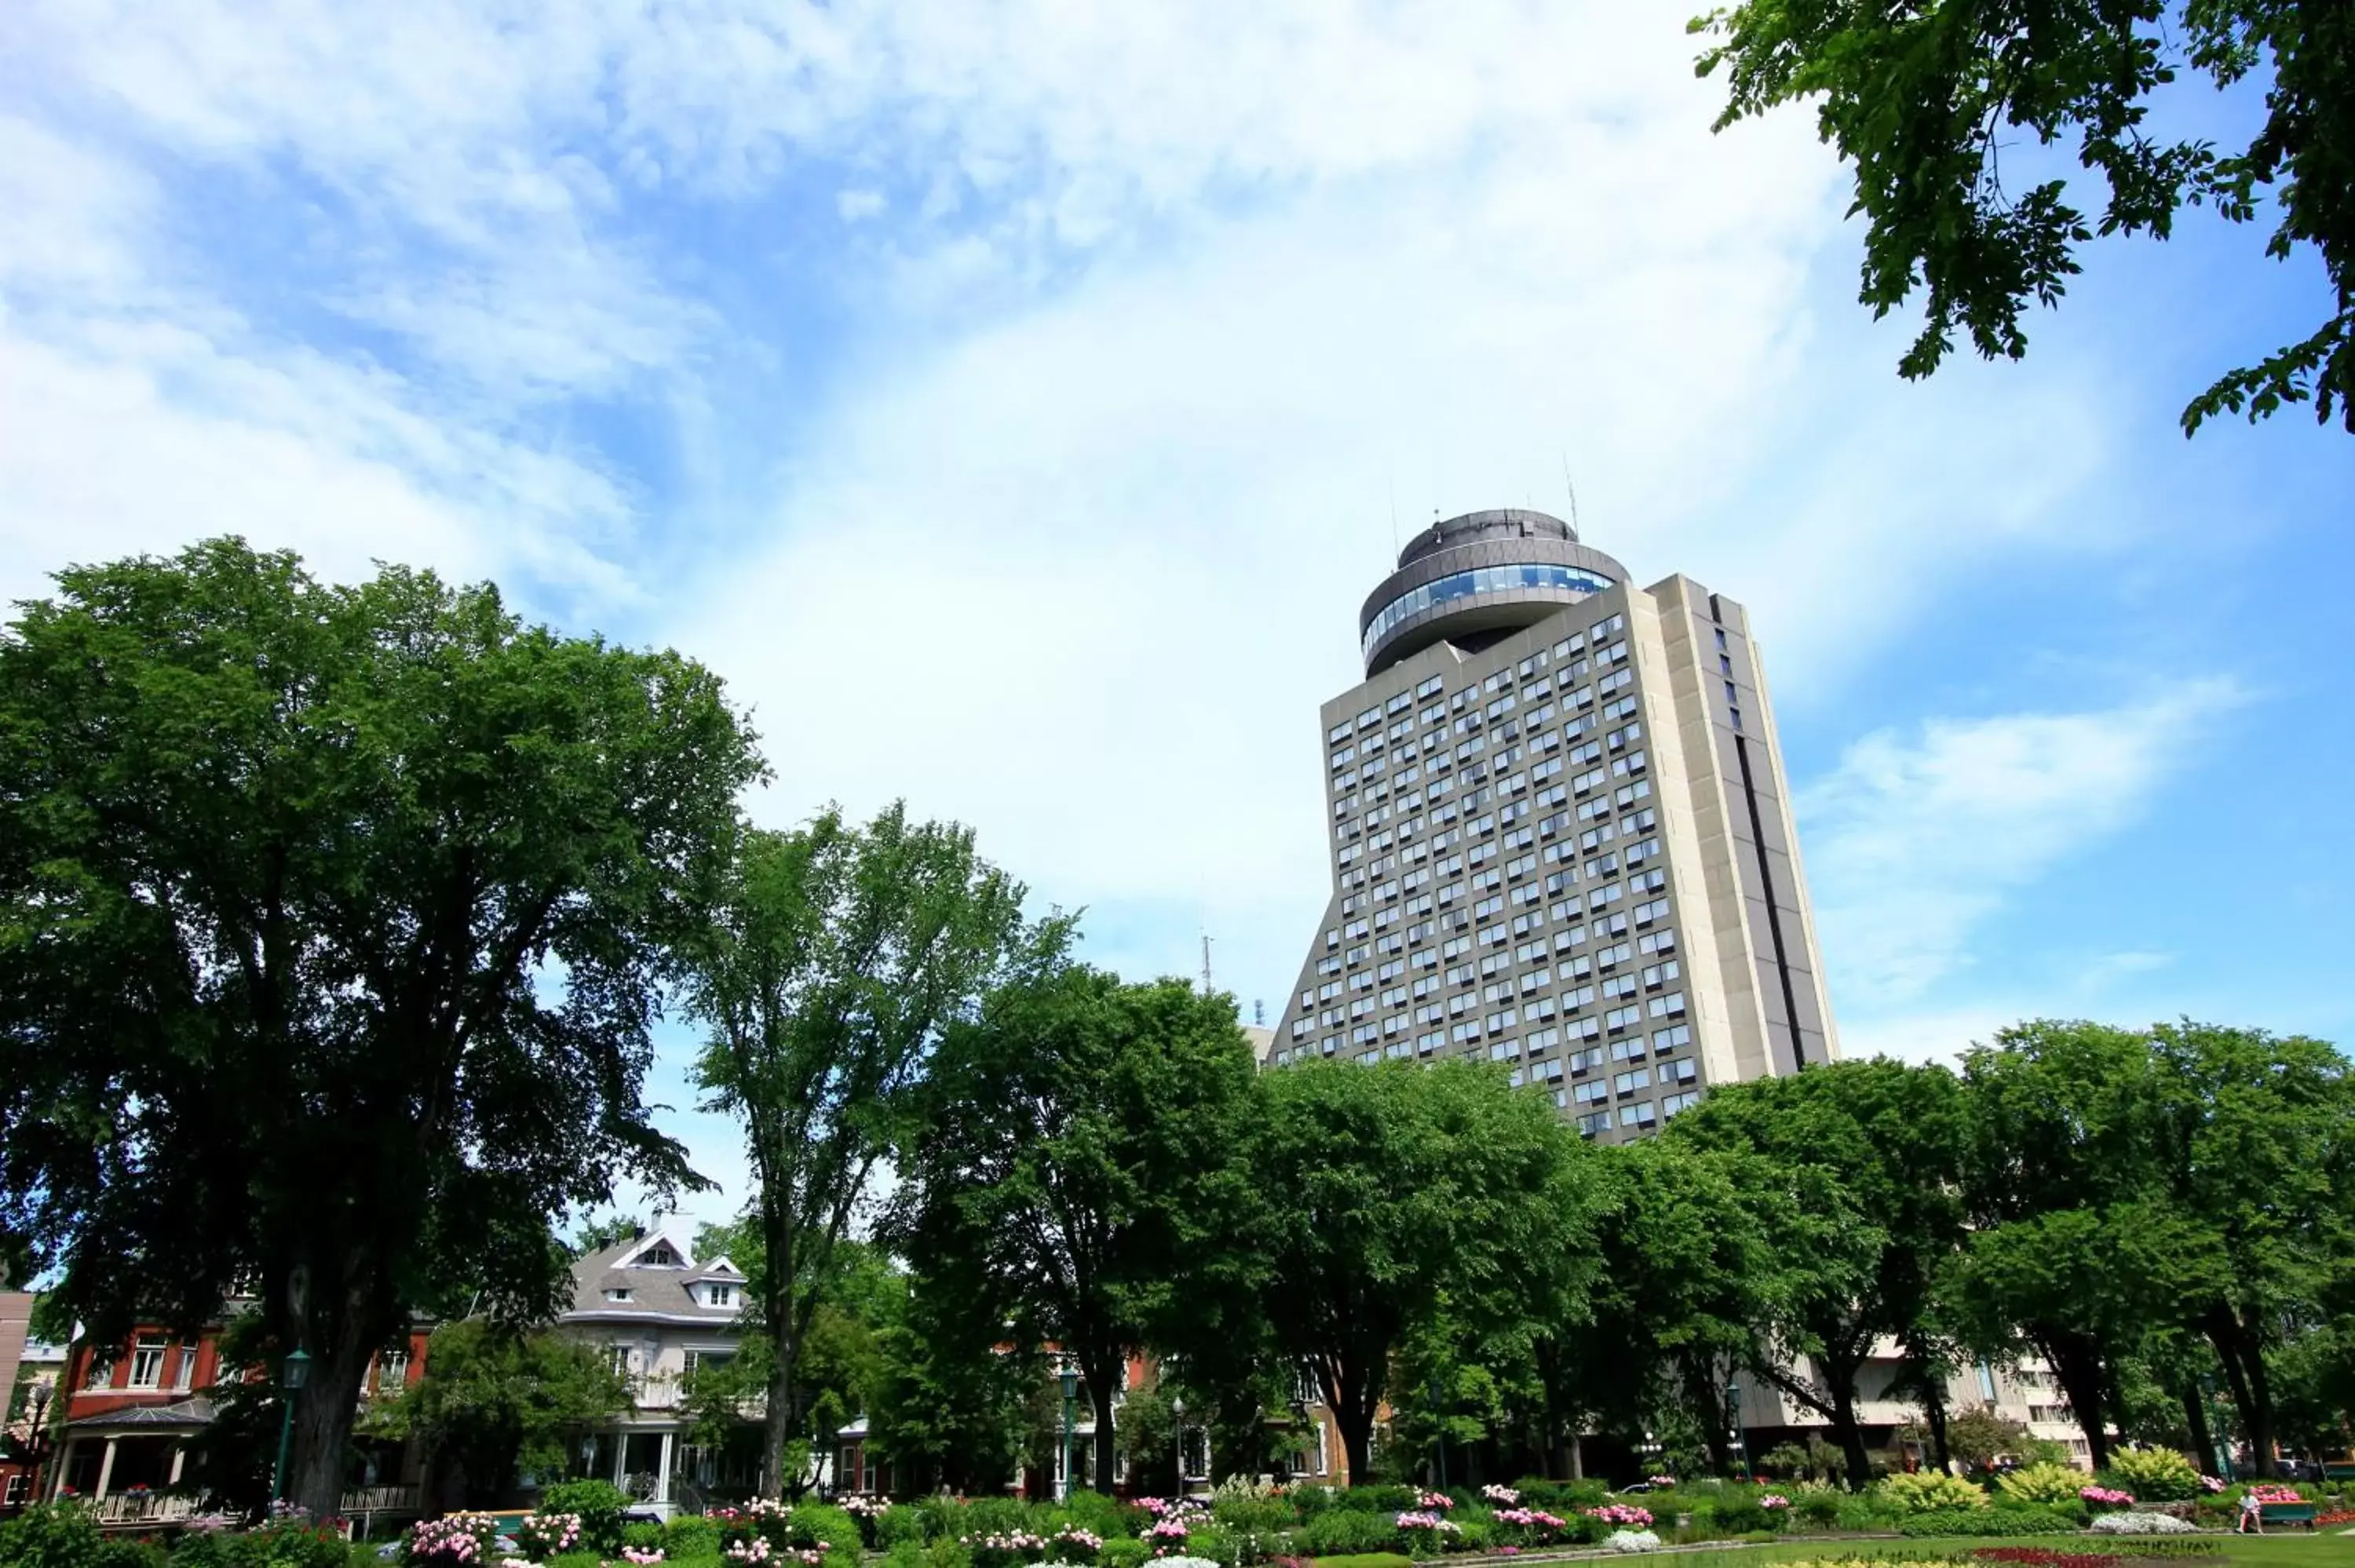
1560	834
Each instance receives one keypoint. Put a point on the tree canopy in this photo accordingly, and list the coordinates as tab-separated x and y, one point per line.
835	956
1928	101
334	921
1079	1166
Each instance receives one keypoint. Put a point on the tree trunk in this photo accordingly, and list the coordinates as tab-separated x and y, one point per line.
324	1412
2223	1332
1100	1396
2261	1404
2077	1367
1851	1434
2195	1421
1707	1401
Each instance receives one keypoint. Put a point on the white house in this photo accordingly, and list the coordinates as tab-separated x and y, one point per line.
659	1314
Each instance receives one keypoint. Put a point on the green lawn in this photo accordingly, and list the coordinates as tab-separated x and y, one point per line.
2275	1549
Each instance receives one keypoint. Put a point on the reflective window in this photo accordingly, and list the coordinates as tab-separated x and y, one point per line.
1482	579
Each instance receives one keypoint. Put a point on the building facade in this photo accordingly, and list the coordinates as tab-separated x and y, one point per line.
662	1316
136	1413
1561	835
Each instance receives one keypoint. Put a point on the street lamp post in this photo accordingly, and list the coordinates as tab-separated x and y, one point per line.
293	1374
1070	1399
2217	1432
1733	1420
40	1400
1439	1421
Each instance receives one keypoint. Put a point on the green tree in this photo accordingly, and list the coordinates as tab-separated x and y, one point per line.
1079	1165
1689	1268
837	956
954	1392
335	920
2258	1155
498	1401
1401	1192
596	1236
1855	1166
2075	1250
1926	102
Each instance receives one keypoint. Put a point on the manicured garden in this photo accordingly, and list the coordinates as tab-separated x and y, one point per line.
2151	1504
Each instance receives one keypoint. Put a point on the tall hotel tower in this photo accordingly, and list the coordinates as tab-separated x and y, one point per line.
1560	834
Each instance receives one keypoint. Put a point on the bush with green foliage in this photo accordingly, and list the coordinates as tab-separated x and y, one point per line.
1123	1551
1346	1532
901	1525
1928	1491
1990	1522
1367	1560
2154	1475
1732	1516
690	1535
52	1535
647	1536
1817	1506
597	1504
2042	1484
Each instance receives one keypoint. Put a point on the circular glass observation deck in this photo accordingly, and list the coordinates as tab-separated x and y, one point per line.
1474	579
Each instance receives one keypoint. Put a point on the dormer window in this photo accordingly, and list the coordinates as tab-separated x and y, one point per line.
719	1296
618	1293
658	1255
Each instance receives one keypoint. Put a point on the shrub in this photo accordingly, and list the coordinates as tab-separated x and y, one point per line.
1123	1551
1631	1540
2042	1484
690	1535
643	1538
2154	1475
947	1553
1741	1516
1346	1532
1819	1509
2132	1524
287	1543
2021	1520
576	1560
544	1535
52	1535
1927	1491
905	1554
899	1525
454	1540
1367	1560
597	1504
1096	1513
1379	1499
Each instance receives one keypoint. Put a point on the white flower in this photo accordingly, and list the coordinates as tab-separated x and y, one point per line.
2139	1524
1632	1540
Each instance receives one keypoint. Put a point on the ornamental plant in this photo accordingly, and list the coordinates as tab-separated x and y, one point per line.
1167	1531
1631	1540
1074	1545
2105	1496
1005	1549
1428	1531
1621	1513
1503	1495
543	1535
642	1559
2156	1474
1926	1491
2046	1483
2132	1524
1529	1526
1439	1502
454	1540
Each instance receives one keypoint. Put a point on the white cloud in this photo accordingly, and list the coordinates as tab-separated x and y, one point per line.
1915	840
856	207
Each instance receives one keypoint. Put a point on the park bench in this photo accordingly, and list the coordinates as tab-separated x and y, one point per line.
2287	1513
2340	1470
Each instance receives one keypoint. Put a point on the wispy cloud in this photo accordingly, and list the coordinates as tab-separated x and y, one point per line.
1917	837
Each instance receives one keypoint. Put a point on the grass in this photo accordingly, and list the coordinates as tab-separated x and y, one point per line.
2275	1549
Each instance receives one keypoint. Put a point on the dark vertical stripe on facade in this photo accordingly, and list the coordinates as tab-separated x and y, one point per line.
1774	919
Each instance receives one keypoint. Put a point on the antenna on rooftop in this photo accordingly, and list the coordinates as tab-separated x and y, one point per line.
1259	1013
1206	963
1573	491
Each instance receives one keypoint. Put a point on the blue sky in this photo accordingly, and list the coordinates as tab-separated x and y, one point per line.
1014	401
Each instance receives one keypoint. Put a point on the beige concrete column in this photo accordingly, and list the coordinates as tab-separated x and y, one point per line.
106	1467
662	1471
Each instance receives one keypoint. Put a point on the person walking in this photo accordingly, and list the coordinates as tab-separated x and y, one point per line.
2253	1514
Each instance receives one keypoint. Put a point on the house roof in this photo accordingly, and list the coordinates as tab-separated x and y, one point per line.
196	1412
657	1292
